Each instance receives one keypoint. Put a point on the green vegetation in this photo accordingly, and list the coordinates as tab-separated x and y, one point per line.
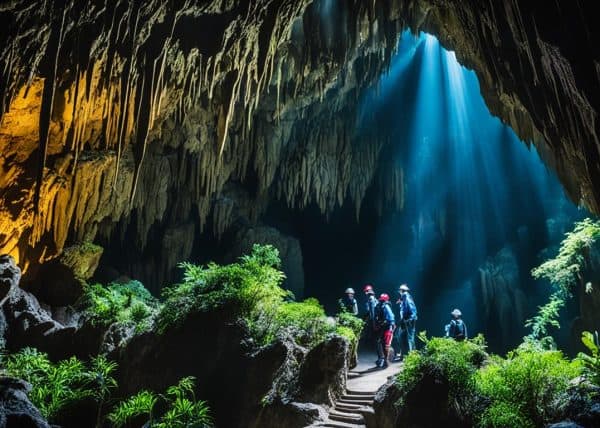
251	289
521	390
245	288
59	385
457	362
565	272
525	387
182	408
129	303
591	362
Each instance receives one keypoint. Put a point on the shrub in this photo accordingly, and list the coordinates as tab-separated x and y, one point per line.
182	408
524	387
457	362
306	321
58	385
247	287
129	302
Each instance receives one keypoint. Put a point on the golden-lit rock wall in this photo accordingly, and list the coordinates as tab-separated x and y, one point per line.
130	120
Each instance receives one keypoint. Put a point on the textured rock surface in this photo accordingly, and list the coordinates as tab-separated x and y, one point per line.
16	411
503	301
123	123
262	386
61	281
322	377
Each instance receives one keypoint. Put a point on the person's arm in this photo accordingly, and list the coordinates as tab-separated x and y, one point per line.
355	307
413	309
466	334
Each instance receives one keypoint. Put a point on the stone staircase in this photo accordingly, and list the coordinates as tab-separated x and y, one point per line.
352	410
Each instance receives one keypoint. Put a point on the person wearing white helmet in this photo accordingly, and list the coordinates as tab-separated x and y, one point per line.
348	302
407	319
456	329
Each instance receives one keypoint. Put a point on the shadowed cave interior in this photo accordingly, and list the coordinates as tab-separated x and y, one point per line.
170	170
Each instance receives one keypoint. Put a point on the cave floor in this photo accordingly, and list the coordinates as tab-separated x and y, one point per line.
370	377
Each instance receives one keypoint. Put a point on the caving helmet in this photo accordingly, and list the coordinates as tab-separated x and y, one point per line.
349	290
384	298
368	289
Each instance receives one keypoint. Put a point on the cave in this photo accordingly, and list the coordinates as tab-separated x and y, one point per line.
189	187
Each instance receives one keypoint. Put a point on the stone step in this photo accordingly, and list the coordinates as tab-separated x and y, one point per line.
352	418
337	424
347	408
353	375
351	392
356	402
357	397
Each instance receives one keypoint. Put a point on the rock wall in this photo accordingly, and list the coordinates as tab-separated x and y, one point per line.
127	121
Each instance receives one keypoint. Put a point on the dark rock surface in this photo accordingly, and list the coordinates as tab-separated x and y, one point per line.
322	377
61	281
269	103
262	386
384	404
16	411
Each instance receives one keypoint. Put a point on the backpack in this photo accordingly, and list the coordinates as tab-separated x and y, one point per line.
380	320
457	329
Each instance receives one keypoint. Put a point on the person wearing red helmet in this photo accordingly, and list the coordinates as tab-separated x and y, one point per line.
385	322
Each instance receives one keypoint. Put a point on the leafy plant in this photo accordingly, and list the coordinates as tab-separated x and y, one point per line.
128	302
524	388
564	272
182	408
457	362
247	287
58	385
139	405
546	317
591	363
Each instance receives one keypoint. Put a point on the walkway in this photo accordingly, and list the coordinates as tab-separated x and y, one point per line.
356	405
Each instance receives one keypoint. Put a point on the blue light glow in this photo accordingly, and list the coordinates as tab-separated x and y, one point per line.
472	187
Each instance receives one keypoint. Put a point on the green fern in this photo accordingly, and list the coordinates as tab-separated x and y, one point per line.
141	404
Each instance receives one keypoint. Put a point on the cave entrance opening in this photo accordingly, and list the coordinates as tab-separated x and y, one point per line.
480	208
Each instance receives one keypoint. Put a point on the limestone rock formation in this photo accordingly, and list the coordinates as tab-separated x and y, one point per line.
122	121
503	301
27	322
264	385
61	282
16	411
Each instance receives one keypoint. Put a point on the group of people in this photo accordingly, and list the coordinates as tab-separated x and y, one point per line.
382	322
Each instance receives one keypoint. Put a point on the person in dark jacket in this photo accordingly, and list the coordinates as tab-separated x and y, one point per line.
456	329
407	319
385	322
370	330
348	302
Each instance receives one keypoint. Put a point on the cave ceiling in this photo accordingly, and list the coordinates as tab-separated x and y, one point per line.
119	116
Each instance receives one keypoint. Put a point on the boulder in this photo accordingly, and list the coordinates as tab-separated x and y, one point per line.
24	321
322	377
384	404
61	281
10	275
16	411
